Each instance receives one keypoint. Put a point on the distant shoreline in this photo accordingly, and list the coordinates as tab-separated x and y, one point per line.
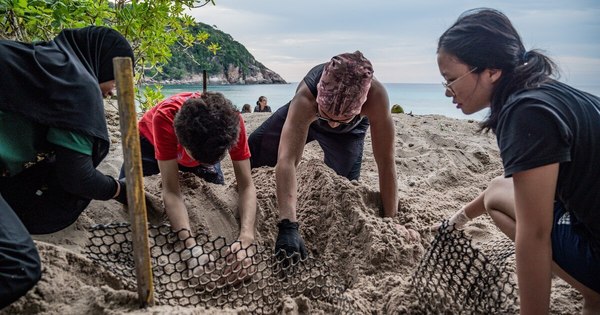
213	83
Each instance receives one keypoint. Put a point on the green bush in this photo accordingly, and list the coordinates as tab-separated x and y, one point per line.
397	109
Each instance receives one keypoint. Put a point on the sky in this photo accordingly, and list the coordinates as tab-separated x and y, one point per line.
400	36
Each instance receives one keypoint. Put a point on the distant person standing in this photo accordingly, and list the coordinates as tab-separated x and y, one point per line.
261	105
246	109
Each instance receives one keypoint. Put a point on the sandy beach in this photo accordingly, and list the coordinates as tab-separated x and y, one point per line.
442	163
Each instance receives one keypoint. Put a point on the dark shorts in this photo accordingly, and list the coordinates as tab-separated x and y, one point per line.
210	173
572	249
343	151
20	267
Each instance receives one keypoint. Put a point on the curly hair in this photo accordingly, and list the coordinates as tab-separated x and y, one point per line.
207	126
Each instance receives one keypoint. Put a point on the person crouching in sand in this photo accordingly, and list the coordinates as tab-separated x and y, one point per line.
549	139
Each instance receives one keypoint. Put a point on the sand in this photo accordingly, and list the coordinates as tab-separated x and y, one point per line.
442	163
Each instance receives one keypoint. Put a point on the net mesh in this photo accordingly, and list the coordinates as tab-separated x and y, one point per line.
456	277
453	277
213	273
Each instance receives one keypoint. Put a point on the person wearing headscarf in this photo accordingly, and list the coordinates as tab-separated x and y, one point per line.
335	104
53	135
548	134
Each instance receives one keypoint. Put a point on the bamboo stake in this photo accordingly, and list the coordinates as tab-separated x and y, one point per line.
135	185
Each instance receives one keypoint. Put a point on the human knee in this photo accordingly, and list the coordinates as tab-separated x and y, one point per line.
498	194
497	183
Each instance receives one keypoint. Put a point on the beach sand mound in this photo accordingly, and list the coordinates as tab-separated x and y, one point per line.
442	163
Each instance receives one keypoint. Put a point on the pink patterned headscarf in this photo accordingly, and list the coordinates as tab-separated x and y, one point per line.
344	85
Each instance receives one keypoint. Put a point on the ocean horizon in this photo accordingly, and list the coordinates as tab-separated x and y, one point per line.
418	98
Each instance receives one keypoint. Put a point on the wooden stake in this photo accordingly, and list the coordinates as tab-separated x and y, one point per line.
135	185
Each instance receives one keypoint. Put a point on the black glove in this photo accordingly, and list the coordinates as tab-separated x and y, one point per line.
289	239
122	196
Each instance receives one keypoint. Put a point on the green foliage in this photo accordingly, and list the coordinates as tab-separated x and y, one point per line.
397	109
152	95
152	26
187	61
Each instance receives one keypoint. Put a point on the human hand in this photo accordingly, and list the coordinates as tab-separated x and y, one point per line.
153	203
456	221
194	257
121	195
239	262
289	242
409	235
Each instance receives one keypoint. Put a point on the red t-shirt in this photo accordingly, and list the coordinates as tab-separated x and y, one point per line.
157	126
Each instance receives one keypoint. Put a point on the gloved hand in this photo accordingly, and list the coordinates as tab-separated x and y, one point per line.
122	196
459	219
289	239
153	203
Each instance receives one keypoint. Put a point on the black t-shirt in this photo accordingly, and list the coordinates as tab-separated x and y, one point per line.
556	123
257	109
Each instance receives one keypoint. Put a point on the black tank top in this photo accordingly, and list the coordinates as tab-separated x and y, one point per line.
311	80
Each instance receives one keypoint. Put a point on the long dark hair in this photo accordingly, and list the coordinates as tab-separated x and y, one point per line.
485	38
260	99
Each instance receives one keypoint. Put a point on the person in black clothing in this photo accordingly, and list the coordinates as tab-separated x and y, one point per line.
335	104
53	135
549	139
261	105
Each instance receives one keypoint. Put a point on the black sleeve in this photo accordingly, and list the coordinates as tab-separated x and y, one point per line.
77	175
530	136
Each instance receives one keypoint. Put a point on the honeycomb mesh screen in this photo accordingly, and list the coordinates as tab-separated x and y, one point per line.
212	273
456	277
453	277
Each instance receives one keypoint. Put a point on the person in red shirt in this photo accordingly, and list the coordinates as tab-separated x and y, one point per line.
192	132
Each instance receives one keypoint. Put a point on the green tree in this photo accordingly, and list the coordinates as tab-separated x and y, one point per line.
151	26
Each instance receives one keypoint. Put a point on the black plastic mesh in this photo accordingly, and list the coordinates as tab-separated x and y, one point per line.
213	276
454	277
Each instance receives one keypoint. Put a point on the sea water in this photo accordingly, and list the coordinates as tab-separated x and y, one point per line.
418	98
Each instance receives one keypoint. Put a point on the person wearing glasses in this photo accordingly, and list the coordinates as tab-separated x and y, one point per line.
335	104
548	134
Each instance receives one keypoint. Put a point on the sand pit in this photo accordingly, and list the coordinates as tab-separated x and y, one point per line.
442	163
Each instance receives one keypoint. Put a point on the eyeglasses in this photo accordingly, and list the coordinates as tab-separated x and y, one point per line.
341	122
448	86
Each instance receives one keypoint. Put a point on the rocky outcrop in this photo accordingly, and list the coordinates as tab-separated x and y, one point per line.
231	64
253	75
233	75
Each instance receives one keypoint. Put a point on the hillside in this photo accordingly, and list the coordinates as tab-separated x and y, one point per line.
232	64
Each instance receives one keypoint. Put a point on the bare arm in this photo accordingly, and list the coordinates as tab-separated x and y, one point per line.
534	198
293	138
376	108
247	201
172	196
